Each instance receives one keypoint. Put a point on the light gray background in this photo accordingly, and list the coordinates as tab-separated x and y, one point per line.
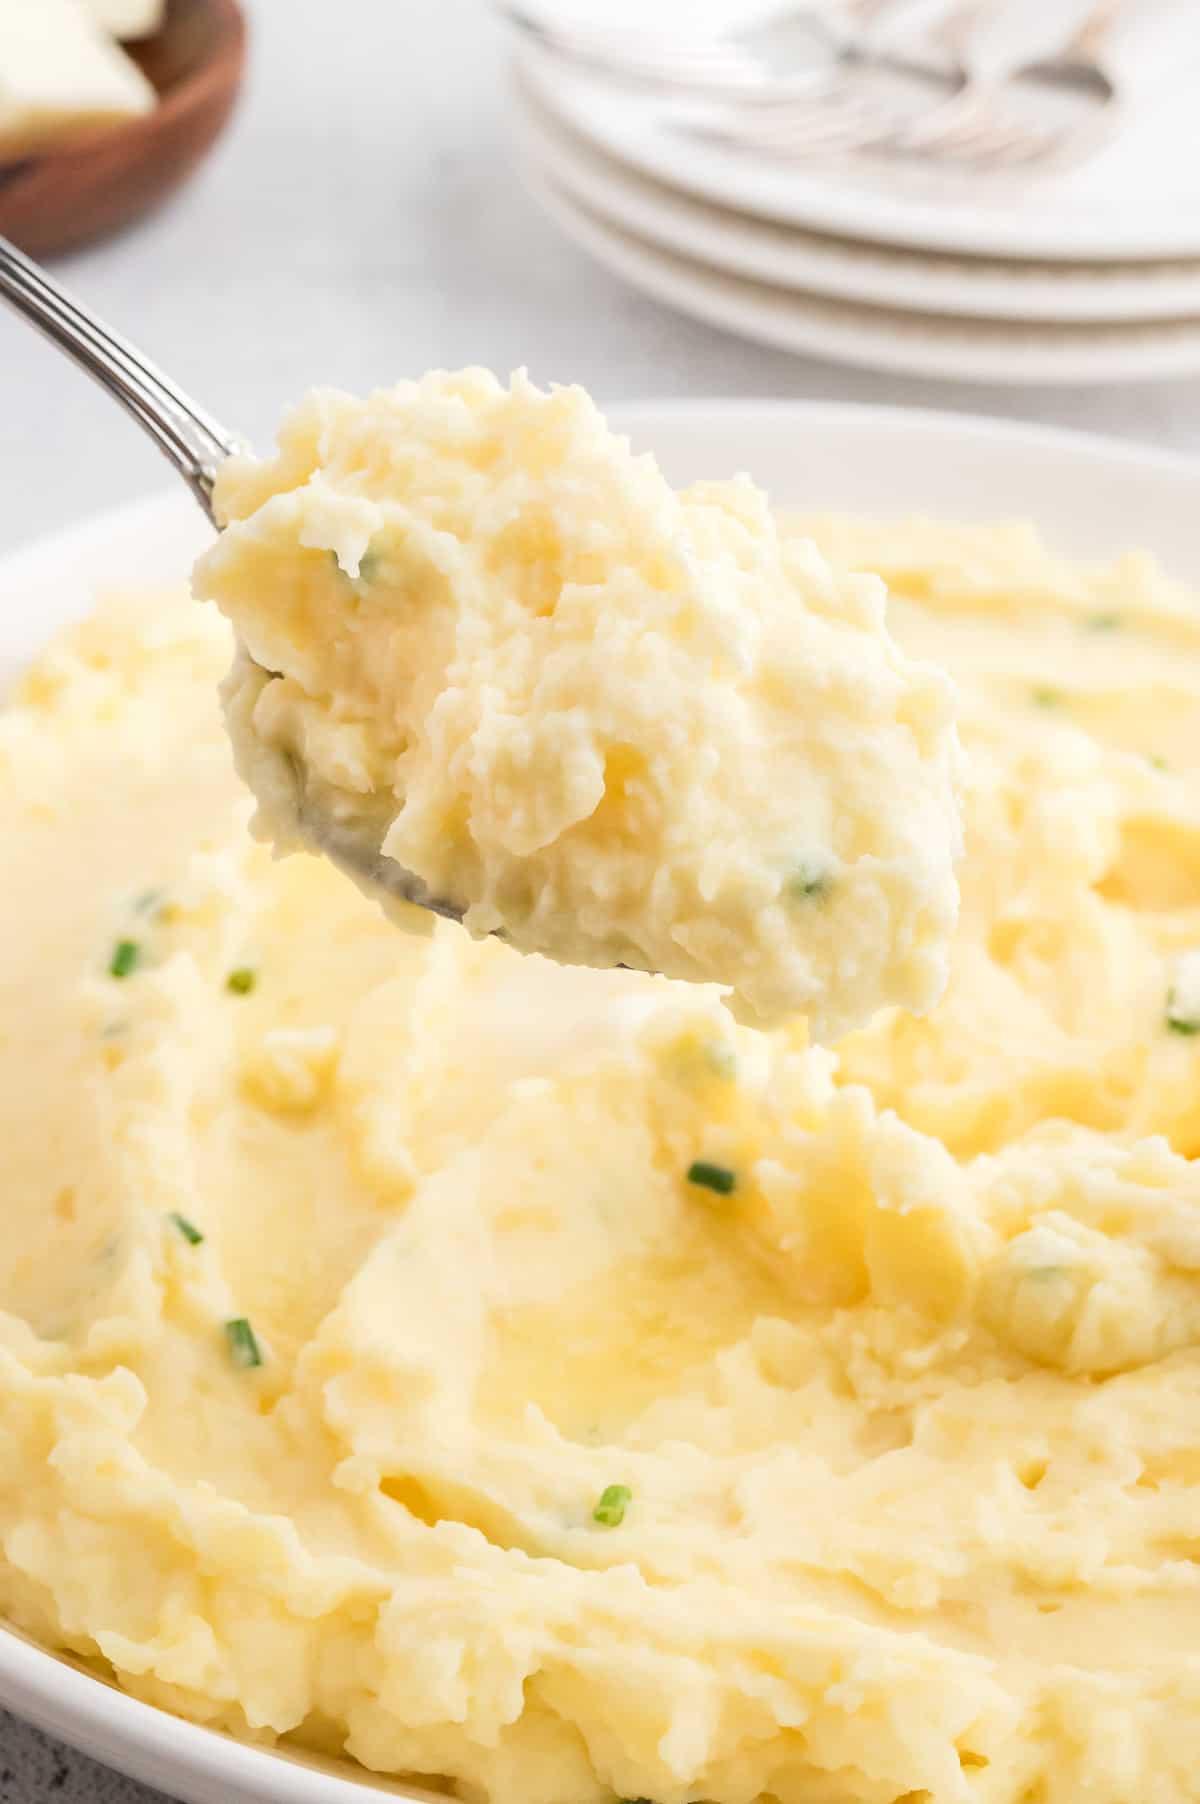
359	223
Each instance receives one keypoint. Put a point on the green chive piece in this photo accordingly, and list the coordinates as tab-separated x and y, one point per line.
614	1501
1045	697
712	1177
241	981
126	954
808	879
1179	1019
243	1343
1102	623
188	1229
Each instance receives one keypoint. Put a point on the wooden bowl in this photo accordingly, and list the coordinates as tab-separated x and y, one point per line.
98	181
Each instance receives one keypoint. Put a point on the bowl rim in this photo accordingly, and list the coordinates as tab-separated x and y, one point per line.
150	1744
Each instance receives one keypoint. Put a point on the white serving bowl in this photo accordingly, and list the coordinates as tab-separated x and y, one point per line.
1091	498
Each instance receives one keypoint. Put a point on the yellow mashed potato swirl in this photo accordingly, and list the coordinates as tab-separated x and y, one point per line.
374	1375
617	724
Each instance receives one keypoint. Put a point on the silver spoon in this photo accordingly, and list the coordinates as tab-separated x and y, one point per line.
195	446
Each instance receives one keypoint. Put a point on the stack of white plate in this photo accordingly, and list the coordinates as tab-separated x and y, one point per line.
1090	275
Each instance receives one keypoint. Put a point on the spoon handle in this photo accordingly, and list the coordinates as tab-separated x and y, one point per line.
192	441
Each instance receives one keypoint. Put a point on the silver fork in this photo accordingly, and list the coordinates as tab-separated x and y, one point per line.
885	98
891	64
993	51
1119	51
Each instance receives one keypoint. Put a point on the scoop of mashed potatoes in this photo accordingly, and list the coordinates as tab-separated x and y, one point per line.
616	724
532	1380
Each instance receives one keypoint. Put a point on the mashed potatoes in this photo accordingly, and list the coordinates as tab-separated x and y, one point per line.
530	1376
615	724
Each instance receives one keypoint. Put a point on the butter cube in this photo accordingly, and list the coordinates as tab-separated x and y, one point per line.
60	74
128	18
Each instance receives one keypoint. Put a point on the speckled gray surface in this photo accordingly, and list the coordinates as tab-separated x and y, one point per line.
36	1770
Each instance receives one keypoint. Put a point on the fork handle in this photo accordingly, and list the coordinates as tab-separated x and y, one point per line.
188	437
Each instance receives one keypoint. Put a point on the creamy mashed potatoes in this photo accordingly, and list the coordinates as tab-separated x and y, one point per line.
615	724
530	1377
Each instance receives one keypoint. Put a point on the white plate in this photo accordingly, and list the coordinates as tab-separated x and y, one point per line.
940	345
1140	198
787	257
1091	497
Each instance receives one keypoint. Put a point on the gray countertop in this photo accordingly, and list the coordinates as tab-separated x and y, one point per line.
36	1770
361	222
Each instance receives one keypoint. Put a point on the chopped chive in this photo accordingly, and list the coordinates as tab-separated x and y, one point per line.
1181	1018
712	1177
808	879
1102	623
614	1501
241	981
148	901
125	956
1045	697
243	1343
188	1229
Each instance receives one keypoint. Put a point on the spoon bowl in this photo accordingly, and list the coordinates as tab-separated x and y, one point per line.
360	857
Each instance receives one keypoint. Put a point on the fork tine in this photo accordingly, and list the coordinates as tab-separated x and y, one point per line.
838	115
995	129
835	113
1035	148
1001	145
978	129
982	133
820	128
947	119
